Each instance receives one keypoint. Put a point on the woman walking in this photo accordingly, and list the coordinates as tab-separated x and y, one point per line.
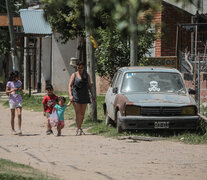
79	87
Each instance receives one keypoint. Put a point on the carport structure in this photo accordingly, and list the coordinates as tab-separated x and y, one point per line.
35	29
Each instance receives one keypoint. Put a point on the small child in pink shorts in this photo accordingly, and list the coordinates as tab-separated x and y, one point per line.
60	108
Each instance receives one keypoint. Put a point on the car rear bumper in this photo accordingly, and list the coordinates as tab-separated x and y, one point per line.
155	122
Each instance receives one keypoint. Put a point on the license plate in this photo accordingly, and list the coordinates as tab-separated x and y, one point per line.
161	125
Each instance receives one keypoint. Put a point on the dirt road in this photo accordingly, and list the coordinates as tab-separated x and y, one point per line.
91	157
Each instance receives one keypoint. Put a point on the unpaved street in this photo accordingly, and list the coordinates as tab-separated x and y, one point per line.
91	157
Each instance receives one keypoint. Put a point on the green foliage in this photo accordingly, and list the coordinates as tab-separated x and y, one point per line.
15	5
120	11
4	31
114	50
66	18
4	41
192	138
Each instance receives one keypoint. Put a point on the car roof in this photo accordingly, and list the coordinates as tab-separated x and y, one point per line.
148	68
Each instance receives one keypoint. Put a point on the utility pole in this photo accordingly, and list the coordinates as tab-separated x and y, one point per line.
133	36
92	108
12	36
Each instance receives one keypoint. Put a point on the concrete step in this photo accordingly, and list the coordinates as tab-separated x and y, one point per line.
3	96
2	92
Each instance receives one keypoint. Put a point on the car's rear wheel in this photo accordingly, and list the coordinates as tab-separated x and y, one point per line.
118	124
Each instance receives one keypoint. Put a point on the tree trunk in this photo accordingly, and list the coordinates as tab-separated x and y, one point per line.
12	37
92	109
133	37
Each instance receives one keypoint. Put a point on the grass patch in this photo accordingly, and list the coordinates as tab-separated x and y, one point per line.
192	138
10	170
188	137
65	94
33	103
100	128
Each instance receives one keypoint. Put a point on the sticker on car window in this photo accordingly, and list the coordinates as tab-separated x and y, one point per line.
154	86
129	75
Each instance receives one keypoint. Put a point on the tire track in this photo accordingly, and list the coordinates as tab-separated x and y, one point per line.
5	149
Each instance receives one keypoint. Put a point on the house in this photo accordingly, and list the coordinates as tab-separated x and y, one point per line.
182	34
167	21
48	59
42	57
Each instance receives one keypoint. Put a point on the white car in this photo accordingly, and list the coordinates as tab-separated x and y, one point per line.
150	98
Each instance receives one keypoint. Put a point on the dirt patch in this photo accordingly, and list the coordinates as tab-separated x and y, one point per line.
95	157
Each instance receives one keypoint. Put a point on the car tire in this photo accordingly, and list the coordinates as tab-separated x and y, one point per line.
118	125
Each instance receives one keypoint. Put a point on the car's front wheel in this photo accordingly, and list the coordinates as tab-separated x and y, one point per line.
118	124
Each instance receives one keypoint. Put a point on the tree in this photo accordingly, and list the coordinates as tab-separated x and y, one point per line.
5	46
15	6
114	17
79	24
68	19
113	51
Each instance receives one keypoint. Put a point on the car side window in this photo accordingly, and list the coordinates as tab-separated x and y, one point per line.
116	79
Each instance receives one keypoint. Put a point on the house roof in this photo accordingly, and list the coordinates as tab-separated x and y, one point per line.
34	22
190	8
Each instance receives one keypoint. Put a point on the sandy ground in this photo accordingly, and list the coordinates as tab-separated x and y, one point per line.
91	157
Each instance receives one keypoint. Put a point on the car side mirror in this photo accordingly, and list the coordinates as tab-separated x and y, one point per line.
191	91
115	90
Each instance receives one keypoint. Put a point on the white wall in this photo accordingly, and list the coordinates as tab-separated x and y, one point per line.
61	70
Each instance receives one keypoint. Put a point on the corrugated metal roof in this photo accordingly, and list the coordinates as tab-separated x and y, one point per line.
34	22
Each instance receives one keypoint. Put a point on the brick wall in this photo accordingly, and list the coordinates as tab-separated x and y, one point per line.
102	85
171	17
157	19
166	21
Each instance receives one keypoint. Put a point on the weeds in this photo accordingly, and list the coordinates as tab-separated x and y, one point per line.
10	170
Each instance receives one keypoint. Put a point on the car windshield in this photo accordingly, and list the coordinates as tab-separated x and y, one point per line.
153	82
